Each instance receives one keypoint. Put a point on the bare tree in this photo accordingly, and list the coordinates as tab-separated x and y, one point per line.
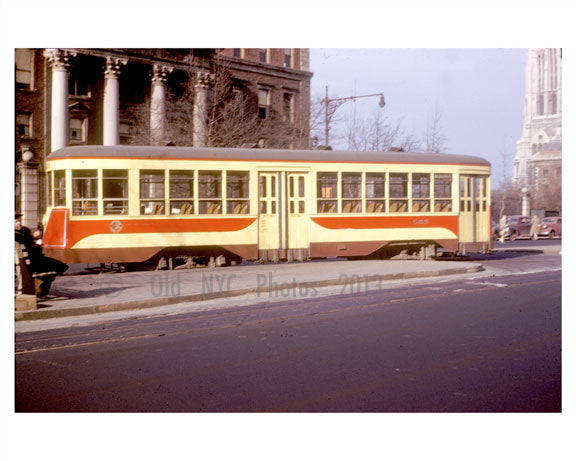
317	114
506	198
434	139
378	134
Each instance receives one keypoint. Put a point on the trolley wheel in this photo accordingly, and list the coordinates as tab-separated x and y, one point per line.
551	235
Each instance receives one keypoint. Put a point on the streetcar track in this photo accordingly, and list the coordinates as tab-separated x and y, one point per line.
221	315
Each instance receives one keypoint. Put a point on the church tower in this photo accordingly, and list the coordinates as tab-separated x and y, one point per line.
537	165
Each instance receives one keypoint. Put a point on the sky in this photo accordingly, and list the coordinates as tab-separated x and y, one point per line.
479	94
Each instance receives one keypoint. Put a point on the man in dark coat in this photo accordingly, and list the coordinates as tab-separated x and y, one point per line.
39	264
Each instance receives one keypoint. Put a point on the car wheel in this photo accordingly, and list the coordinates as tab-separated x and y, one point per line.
551	235
513	236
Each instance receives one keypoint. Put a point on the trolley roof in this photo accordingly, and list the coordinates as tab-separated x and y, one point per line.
201	153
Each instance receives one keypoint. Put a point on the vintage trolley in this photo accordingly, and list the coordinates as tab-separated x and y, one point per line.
129	204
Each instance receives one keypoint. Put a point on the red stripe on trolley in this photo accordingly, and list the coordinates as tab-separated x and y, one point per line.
388	222
78	230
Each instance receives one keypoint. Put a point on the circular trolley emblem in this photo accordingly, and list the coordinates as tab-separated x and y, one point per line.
115	226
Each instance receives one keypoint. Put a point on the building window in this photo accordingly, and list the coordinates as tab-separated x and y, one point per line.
23	125
263	103
126	133
263	54
236	52
287	107
77	86
287	57
23	63
540	105
553	104
77	129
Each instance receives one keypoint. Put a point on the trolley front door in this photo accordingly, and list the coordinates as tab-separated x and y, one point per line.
283	216
474	219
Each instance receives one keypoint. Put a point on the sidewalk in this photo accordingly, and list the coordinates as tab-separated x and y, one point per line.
108	292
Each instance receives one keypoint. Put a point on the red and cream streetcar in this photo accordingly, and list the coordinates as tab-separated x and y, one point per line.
128	204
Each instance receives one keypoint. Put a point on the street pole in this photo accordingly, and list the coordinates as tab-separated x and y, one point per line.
339	101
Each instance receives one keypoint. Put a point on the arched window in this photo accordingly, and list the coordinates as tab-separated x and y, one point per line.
553	104
540	105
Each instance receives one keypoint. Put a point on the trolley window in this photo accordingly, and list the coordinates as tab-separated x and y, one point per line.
49	188
115	191
181	192
60	188
327	192
210	192
442	192
151	192
237	192
84	192
375	192
398	192
420	192
351	189
480	191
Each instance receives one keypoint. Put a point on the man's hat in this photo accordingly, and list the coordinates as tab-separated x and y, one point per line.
17	215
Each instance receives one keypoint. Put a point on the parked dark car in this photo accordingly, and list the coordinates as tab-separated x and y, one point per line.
517	226
495	230
551	227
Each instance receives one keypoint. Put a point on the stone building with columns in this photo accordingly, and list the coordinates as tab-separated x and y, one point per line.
538	161
77	96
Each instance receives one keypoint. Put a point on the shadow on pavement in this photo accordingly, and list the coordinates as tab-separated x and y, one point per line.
66	293
496	255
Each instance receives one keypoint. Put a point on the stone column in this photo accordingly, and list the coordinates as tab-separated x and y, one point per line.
112	101
201	89
59	131
158	105
28	170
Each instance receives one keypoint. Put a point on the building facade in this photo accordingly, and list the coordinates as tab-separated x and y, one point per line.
145	96
538	161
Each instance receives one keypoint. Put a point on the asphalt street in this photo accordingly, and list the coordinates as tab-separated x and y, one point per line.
489	344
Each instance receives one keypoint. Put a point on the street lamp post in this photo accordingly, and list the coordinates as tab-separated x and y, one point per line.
329	109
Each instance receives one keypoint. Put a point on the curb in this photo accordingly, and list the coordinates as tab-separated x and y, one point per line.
157	302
